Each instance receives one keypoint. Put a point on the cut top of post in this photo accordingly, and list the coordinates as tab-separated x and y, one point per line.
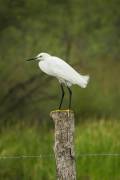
62	113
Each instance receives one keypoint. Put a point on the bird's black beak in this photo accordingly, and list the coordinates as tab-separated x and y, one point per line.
32	59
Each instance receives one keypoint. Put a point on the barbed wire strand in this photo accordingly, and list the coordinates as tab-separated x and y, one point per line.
41	156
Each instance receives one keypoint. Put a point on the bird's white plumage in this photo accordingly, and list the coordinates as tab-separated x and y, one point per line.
58	68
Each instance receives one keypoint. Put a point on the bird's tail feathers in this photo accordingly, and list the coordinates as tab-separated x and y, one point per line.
83	81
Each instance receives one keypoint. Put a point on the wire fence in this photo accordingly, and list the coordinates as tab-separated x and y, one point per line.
42	156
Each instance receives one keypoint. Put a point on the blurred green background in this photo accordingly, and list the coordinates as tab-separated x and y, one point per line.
86	35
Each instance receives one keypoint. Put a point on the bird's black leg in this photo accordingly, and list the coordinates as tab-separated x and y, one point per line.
70	96
62	89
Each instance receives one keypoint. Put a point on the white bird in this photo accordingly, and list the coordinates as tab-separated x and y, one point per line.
65	74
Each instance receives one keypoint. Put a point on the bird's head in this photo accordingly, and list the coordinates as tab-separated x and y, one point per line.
40	57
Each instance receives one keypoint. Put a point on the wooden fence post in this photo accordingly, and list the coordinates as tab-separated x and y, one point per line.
64	144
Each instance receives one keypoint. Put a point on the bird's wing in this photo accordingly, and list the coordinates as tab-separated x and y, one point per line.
61	69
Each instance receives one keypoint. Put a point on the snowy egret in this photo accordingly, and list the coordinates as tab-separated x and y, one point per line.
65	74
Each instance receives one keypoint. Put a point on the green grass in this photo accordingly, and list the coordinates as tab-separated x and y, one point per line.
98	138
90	137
